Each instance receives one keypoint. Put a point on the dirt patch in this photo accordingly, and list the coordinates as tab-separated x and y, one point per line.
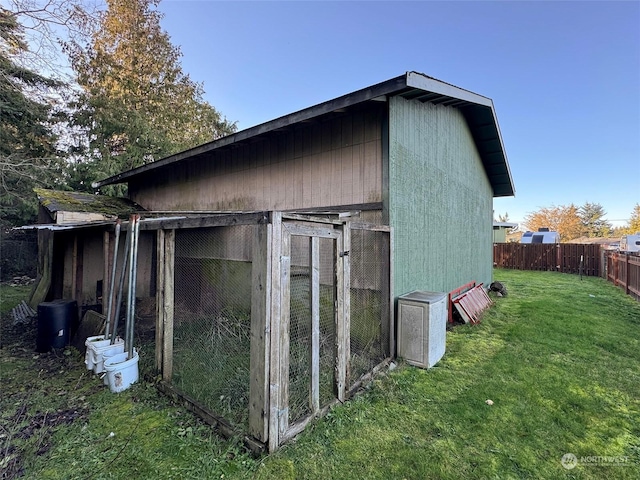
35	430
39	395
51	419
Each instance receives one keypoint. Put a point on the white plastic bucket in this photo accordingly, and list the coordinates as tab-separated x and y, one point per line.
89	356
98	349
107	354
121	371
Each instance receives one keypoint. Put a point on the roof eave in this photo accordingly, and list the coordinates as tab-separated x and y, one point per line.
369	93
395	86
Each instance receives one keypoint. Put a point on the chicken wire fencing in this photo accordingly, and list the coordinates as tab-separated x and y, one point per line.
301	349
369	316
370	309
212	319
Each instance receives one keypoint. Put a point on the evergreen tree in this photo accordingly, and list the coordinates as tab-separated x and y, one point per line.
137	104
28	153
634	222
593	221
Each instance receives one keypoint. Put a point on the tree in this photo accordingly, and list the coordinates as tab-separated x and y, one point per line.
633	226
137	104
563	219
593	222
44	24
503	218
28	151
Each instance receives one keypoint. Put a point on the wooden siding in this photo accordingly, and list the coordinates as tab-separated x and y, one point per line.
332	162
440	199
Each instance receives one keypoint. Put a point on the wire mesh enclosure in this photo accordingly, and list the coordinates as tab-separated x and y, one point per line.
264	325
301	328
370	311
212	318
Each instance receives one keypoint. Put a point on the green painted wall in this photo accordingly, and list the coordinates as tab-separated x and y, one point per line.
440	199
499	235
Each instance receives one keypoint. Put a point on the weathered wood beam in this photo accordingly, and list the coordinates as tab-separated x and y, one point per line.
340	359
160	298
167	344
219	423
218	220
260	333
274	332
314	300
283	334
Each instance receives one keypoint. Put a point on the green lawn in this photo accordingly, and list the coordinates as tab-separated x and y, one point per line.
559	357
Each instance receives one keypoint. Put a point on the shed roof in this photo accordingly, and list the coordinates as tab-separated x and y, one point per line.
55	201
505	224
478	111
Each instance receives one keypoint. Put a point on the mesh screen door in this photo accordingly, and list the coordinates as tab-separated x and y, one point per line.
312	321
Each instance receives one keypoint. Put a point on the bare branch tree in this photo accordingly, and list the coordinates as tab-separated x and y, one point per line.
48	25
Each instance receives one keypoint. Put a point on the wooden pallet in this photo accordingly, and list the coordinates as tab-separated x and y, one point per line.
471	304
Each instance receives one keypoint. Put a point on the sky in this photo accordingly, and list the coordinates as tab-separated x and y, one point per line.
564	76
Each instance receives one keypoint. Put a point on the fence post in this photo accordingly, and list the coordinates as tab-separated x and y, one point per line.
161	276
626	279
169	289
260	332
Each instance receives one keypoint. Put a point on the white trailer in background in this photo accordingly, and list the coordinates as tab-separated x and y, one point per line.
540	237
630	243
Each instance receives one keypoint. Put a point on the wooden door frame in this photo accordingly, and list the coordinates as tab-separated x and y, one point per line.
280	429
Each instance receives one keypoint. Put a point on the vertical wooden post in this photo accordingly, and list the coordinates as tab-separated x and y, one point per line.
160	278
78	292
314	298
260	333
274	332
387	292
167	343
627	277
340	360
346	285
392	306
283	334
45	268
74	267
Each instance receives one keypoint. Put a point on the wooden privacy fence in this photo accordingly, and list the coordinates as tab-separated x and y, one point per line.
623	270
557	257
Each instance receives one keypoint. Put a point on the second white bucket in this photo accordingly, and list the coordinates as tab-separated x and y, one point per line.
106	355
121	371
90	343
98	349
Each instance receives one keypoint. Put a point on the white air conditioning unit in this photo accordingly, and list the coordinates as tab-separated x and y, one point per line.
422	327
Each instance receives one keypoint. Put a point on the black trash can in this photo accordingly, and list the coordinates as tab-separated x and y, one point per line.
55	321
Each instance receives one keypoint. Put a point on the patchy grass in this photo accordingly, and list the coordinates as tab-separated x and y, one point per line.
559	358
11	296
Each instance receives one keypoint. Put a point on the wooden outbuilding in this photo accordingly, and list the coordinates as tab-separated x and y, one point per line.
275	254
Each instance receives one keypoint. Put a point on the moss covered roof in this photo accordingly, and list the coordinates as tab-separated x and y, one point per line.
58	200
